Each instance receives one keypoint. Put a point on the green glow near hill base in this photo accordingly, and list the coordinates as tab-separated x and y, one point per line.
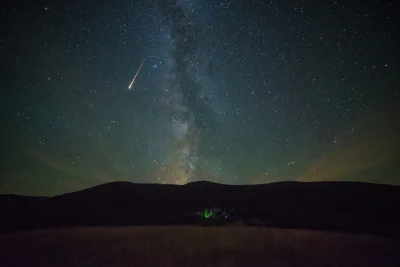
207	213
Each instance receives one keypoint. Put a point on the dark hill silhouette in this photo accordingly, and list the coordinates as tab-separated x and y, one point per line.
333	206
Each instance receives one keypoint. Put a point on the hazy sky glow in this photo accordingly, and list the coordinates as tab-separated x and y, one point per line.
235	92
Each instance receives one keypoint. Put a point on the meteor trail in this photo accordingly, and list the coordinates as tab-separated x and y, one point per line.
134	78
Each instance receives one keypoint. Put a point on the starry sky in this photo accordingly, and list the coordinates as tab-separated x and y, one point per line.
235	92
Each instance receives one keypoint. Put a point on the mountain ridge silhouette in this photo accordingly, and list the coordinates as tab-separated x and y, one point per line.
351	207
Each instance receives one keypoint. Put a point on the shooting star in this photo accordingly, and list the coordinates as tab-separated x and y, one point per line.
134	78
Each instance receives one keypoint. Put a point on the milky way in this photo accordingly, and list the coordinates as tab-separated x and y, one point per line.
181	90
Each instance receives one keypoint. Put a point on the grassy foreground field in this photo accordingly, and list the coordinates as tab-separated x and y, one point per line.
194	246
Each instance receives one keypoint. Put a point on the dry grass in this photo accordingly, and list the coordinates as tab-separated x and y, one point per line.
194	246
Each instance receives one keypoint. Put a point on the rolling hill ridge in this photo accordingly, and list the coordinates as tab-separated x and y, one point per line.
333	206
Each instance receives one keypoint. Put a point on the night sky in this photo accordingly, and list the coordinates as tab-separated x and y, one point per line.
235	92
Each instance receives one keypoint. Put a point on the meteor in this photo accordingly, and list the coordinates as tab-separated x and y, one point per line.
134	77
